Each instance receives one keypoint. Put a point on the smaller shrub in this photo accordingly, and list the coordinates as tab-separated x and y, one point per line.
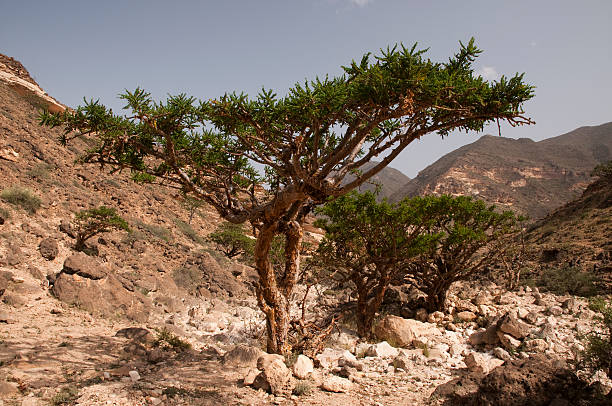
167	340
89	223
65	396
568	280
41	171
21	197
157	231
302	388
188	231
231	239
597	354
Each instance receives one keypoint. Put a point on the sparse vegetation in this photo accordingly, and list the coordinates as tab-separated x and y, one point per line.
231	240
41	171
187	278
21	197
157	231
167	340
91	222
65	396
302	388
603	171
188	231
567	280
597	354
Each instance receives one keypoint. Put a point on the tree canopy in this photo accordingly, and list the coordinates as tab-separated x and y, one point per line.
306	142
367	245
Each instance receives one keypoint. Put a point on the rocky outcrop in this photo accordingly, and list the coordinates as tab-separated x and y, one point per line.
536	381
274	377
17	77
87	284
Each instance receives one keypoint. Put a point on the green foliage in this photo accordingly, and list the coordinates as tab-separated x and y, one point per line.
188	231
470	236
91	222
368	245
169	341
603	171
41	171
21	197
429	241
187	278
597	354
231	239
157	231
192	204
302	388
322	128
65	396
568	280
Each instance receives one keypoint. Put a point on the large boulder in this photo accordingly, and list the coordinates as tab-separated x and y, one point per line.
85	266
481	363
402	332
48	248
303	367
535	381
332	383
509	324
274	377
87	284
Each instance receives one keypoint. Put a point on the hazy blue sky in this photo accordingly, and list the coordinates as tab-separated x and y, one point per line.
205	48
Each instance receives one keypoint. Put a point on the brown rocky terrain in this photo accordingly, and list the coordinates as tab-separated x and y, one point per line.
532	178
156	316
577	235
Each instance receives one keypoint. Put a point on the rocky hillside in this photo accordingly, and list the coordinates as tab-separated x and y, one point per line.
578	234
530	177
389	180
163	247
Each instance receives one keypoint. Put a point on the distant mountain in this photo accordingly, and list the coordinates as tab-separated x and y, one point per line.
389	179
529	177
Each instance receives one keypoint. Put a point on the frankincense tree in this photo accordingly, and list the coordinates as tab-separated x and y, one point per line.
306	142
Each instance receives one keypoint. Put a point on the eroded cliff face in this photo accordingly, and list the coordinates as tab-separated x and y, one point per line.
16	76
532	178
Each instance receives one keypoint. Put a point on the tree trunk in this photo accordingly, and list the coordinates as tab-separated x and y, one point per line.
436	297
364	315
273	293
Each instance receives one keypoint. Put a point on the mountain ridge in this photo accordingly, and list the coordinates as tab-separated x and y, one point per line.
530	177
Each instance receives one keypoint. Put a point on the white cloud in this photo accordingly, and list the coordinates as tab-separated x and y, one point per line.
361	3
488	73
533	44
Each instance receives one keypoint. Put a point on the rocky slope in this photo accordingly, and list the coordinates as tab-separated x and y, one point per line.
532	178
578	234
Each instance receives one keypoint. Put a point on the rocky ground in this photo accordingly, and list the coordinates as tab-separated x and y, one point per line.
54	352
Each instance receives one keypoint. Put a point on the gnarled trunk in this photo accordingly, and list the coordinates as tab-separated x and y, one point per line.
369	300
274	291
